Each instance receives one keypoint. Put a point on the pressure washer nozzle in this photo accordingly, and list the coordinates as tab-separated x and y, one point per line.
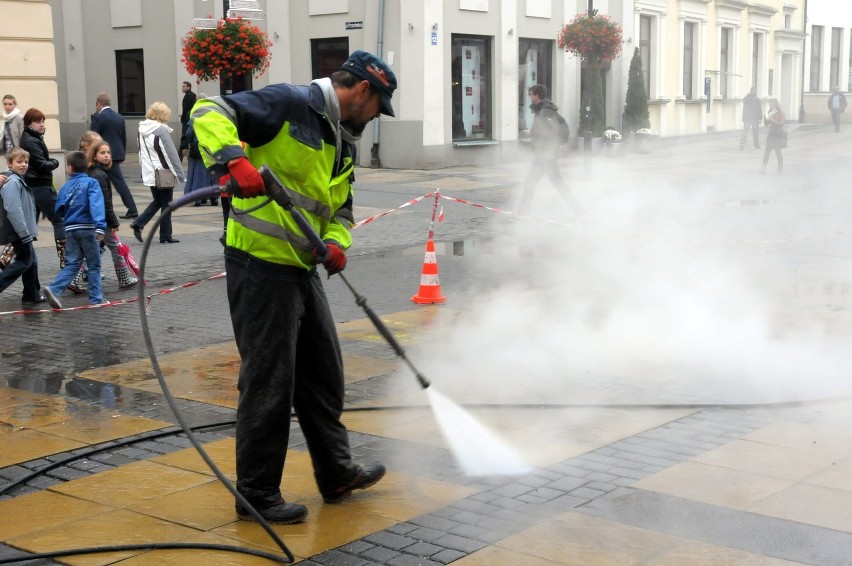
424	383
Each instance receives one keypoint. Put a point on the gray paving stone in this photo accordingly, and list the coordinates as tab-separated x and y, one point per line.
408	560
567	484
423	549
358	546
67	473
460	543
380	554
433	522
390	540
337	558
402	528
448	556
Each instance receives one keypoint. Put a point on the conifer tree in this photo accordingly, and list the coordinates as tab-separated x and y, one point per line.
636	114
592	97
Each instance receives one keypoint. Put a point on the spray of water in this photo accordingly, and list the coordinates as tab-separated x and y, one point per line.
478	450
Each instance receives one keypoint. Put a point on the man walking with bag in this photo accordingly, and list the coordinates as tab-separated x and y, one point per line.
837	105
546	141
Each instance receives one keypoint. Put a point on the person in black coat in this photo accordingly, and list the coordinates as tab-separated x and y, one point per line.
39	176
189	99
110	125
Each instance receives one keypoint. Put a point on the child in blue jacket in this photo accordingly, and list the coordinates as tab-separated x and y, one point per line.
81	203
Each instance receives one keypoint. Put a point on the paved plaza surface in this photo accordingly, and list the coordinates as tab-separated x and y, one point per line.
670	361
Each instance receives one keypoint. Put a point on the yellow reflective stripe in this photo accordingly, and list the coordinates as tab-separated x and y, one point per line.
345	217
271	229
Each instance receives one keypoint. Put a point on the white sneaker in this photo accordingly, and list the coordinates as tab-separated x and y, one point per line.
51	298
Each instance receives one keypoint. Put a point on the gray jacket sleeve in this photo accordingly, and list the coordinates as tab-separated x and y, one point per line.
11	192
171	153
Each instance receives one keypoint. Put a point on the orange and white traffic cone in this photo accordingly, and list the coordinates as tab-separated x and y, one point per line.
430	287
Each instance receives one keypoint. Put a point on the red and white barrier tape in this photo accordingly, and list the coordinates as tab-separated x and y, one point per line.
460	201
148	299
385	213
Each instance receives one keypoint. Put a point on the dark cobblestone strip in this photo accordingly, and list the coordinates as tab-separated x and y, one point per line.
505	507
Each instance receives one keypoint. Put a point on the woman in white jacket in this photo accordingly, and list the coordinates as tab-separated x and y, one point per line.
157	151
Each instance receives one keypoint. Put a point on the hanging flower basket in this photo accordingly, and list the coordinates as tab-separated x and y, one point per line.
234	48
596	39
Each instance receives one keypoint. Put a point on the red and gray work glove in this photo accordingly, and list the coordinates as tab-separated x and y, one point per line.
243	180
335	259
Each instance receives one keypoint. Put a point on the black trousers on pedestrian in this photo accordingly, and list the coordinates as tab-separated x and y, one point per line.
116	177
25	266
835	117
754	127
160	201
45	199
291	359
546	168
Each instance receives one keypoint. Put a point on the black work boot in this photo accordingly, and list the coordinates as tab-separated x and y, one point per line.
367	476
279	513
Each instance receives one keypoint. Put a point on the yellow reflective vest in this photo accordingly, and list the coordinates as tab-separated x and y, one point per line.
285	127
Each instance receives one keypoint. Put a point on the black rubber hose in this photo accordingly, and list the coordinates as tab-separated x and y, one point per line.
201	194
152	546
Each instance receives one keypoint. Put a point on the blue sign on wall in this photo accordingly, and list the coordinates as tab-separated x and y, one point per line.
434	38
707	92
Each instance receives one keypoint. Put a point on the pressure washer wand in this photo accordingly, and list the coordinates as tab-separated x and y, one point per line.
277	192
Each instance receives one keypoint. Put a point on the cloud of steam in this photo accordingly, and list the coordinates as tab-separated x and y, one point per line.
662	294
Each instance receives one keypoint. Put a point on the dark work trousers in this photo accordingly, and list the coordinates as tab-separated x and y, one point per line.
117	179
160	201
25	266
45	199
290	359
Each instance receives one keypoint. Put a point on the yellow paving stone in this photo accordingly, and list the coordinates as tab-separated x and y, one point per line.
43	510
95	425
132	483
210	374
36	413
111	528
10	396
575	538
222	452
23	445
205	557
406	326
380	423
766	459
819	438
698	553
327	527
837	476
204	507
494	555
811	504
401	497
359	368
716	485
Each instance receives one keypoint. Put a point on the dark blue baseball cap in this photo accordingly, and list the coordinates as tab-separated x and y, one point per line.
369	67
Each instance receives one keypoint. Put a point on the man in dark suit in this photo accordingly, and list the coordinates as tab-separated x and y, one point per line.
186	108
110	125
